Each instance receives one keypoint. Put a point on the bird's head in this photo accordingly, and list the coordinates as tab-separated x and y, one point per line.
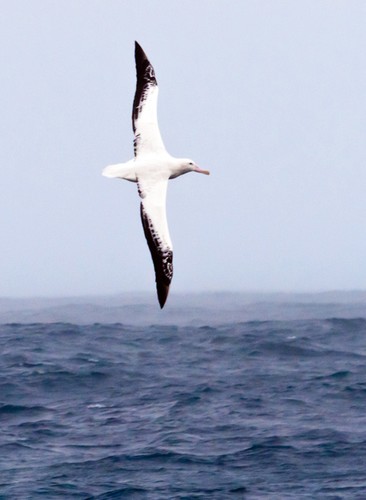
180	166
190	166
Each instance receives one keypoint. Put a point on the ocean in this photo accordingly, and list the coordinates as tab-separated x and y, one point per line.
197	409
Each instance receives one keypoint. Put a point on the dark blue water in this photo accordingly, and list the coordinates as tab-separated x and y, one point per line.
251	410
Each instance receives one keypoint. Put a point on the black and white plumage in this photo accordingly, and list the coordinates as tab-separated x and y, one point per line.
151	168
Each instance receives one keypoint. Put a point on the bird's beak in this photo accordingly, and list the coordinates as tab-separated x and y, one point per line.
200	171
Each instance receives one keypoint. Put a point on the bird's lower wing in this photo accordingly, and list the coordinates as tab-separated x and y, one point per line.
154	222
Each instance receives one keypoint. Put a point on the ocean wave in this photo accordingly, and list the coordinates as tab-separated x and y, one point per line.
259	409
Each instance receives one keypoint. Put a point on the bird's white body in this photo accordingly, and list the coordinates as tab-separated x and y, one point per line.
149	166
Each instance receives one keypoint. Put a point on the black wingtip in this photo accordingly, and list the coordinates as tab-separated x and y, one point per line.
144	70
139	52
163	291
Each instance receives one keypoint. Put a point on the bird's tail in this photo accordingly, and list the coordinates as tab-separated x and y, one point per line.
120	171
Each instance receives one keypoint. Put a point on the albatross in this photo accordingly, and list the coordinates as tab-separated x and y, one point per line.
151	168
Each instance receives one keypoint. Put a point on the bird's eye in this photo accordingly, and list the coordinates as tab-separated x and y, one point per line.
190	163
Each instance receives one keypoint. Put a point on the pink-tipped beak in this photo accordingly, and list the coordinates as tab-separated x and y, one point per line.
200	171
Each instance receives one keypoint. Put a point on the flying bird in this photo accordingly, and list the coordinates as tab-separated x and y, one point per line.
151	168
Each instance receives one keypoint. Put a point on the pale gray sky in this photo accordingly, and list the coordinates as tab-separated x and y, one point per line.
269	95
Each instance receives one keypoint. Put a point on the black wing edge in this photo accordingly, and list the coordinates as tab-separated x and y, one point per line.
163	260
145	78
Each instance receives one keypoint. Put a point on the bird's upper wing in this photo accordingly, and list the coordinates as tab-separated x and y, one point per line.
144	112
154	221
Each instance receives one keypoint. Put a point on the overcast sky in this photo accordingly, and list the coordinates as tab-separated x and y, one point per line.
268	95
